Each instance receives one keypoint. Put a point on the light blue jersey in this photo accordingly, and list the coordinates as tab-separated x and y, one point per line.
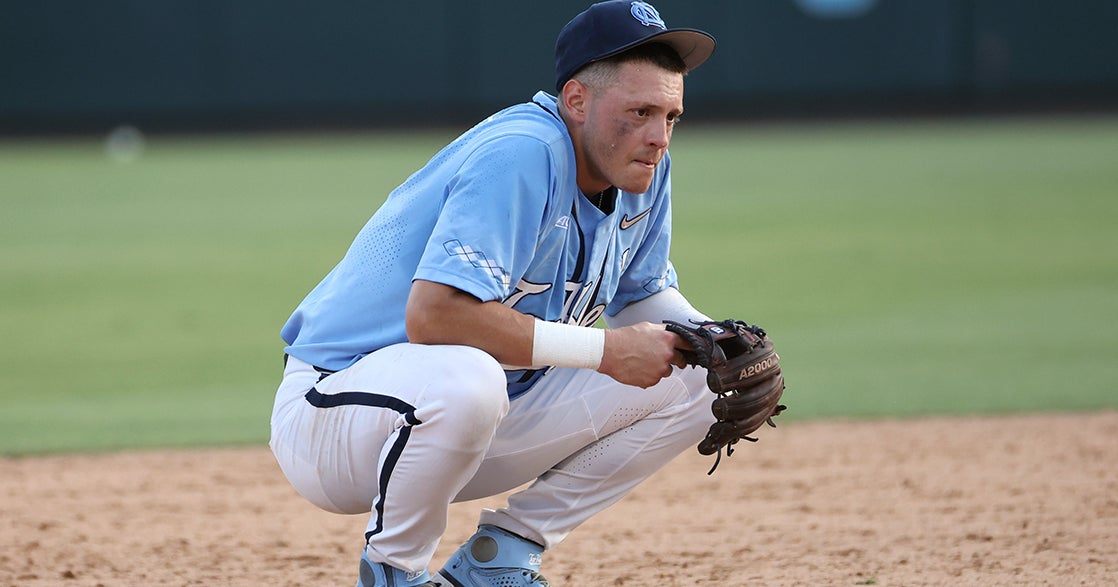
498	214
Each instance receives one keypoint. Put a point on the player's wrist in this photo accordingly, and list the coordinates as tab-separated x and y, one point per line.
567	345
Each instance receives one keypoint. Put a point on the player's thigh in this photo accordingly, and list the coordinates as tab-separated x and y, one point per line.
568	402
329	439
568	410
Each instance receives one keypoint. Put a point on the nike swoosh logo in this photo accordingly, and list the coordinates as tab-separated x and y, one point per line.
627	222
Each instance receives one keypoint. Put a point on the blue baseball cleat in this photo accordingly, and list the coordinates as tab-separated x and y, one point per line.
494	558
382	575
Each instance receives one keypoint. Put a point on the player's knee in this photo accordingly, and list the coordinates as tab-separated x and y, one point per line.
692	385
479	381
470	398
695	396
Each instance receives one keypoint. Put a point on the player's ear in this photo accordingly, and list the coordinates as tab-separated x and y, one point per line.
574	97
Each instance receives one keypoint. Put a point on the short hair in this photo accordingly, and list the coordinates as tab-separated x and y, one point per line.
603	72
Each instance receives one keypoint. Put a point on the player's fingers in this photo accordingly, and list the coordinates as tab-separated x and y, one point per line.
681	343
650	380
678	360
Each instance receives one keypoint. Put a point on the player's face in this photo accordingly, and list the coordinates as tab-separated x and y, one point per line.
628	127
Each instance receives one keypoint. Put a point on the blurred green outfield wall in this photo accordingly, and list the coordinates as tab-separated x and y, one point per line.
241	64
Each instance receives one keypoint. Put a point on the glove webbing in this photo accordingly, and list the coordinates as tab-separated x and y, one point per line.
730	445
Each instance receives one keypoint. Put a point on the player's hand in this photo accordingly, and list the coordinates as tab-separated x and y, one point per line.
641	354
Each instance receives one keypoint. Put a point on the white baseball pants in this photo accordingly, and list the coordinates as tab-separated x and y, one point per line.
411	428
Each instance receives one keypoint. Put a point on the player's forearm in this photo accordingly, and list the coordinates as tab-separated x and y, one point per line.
440	314
640	354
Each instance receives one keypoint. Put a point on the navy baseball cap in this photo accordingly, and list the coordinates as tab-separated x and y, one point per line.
608	28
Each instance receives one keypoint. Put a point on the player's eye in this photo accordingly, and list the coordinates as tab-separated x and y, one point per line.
641	112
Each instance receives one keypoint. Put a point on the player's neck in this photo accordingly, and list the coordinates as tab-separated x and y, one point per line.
604	200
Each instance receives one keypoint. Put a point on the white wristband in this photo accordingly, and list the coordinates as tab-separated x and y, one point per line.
567	345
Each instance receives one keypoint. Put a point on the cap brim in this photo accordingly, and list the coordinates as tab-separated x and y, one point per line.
694	46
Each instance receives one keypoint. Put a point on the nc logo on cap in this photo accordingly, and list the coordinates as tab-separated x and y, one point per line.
647	15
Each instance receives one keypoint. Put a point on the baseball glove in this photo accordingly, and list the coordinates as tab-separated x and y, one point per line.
744	370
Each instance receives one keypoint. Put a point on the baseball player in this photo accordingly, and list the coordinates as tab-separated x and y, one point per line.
452	353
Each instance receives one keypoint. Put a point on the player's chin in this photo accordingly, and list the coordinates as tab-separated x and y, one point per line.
638	180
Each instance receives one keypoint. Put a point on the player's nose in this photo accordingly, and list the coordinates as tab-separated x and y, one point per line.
660	135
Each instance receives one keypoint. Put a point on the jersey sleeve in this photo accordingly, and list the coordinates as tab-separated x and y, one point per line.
486	232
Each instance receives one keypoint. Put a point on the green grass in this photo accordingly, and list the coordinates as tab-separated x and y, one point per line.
903	269
913	269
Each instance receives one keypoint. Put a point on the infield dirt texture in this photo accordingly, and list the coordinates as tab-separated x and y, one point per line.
1015	500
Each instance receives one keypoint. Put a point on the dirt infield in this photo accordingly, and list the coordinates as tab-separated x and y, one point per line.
1017	500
